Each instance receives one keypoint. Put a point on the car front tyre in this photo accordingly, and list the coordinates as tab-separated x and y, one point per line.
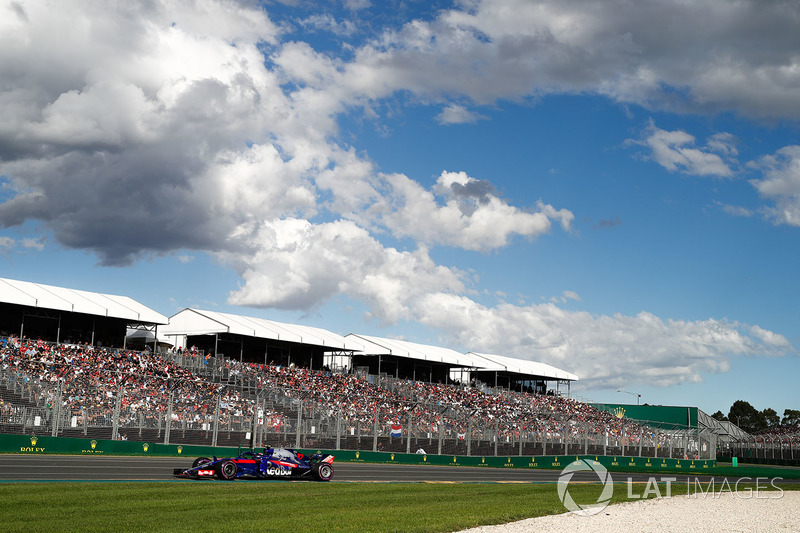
200	461
226	470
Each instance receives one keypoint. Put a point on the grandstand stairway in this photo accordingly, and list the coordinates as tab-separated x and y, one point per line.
14	398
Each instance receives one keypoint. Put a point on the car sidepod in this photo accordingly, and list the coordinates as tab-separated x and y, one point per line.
277	470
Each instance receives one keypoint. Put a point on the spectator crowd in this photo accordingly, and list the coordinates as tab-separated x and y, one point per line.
92	383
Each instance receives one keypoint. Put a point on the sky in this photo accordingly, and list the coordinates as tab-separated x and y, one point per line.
612	188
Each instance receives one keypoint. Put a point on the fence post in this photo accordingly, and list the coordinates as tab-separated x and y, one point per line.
496	435
605	442
168	420
56	411
713	449
375	431
115	422
408	429
216	422
339	428
440	437
299	423
685	444
544	441
586	439
520	441
254	432
641	440
469	437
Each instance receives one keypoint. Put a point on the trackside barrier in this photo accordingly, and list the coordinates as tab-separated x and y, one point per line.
34	445
515	461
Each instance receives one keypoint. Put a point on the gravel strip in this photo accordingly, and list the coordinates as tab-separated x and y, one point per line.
723	513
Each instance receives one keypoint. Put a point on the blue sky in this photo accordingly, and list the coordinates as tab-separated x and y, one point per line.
612	191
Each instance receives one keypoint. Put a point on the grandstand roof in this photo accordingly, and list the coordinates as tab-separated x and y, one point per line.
412	350
521	366
202	322
725	430
76	301
477	361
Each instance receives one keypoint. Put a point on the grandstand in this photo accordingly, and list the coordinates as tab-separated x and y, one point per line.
186	397
69	315
233	380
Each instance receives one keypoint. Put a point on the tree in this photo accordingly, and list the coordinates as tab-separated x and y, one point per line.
771	418
746	417
719	416
791	417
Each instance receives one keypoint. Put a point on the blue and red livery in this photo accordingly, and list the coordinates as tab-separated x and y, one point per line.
272	463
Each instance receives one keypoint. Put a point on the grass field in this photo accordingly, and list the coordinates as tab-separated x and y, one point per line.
280	506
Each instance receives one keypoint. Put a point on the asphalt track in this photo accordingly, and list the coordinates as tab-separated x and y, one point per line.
60	468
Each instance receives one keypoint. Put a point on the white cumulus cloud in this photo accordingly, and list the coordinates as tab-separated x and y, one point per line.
603	350
292	263
461	211
696	56
458	114
781	184
676	151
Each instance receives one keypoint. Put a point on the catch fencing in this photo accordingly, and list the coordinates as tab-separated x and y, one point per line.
238	411
768	447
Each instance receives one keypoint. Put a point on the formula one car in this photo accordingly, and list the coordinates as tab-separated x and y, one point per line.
272	463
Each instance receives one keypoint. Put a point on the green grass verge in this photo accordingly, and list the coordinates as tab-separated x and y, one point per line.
259	506
280	506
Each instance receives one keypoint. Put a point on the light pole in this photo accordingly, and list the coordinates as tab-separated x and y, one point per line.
633	393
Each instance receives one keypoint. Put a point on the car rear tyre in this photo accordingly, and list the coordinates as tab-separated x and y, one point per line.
200	461
226	470
322	471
